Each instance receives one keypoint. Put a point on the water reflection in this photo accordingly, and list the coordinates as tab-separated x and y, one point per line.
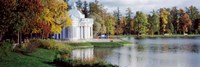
83	54
156	52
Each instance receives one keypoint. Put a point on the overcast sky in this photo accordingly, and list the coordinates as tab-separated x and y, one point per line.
145	5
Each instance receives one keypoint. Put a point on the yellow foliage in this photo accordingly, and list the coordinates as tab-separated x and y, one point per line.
56	28
55	15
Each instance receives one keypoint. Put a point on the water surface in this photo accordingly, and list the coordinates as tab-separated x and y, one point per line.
148	52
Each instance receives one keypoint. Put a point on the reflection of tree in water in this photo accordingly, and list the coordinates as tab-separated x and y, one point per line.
102	52
195	48
140	47
169	48
154	48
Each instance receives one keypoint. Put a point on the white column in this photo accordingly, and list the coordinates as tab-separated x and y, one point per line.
64	33
61	34
86	32
57	36
92	31
81	32
72	33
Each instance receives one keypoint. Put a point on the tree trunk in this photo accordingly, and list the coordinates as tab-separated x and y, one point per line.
18	37
1	36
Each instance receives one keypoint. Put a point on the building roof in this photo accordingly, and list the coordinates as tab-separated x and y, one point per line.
75	13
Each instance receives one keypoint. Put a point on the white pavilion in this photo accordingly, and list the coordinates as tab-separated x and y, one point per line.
81	29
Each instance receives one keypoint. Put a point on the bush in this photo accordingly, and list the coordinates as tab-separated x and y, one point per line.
64	51
5	49
76	63
48	44
27	48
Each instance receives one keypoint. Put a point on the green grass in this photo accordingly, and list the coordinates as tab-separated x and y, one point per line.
100	44
39	58
162	36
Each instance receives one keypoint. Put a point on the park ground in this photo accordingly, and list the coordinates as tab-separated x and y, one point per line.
51	53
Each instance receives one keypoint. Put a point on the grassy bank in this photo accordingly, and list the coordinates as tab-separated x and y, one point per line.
42	53
40	58
99	44
154	36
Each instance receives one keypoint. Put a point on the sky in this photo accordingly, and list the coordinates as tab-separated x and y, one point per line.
145	6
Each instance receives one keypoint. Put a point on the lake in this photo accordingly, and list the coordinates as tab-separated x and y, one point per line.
148	52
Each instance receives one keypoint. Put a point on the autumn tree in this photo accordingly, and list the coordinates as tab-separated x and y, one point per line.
16	15
141	23
185	20
164	20
193	13
55	15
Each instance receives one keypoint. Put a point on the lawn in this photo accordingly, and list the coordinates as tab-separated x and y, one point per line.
39	58
100	44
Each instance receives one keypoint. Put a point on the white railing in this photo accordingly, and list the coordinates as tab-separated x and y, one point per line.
86	20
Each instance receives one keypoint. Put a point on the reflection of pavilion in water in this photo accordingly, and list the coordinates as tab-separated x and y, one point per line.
83	54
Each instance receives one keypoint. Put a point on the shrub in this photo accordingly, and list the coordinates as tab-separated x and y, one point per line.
76	63
5	49
64	51
29	47
48	44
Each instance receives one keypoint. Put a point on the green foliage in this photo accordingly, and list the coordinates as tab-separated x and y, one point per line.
5	49
110	24
77	63
97	23
154	23
140	23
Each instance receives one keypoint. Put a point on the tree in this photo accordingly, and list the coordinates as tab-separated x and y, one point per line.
140	23
193	13
55	15
197	26
129	21
85	9
164	20
79	4
174	19
97	13
97	25
154	22
170	27
17	15
110	24
117	15
186	21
